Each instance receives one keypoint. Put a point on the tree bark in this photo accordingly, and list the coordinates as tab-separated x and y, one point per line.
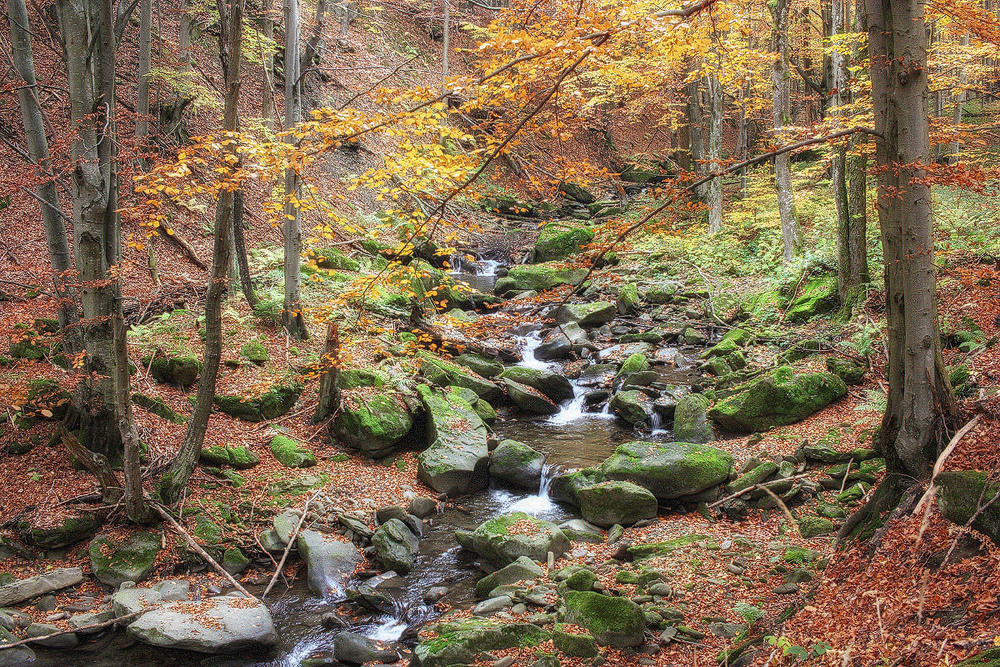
312	55
696	137
956	114
136	507
329	390
714	190
781	111
267	57
38	150
145	55
919	391
175	479
292	316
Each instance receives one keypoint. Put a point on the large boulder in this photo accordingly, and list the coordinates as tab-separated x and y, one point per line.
372	422
616	502
506	538
180	370
273	403
560	342
668	469
691	419
16	656
457	460
516	464
484	366
20	590
449	374
551	384
589	314
633	406
539	277
291	453
614	621
782	396
565	487
238	457
227	624
963	493
558	240
464	641
816	296
329	561
396	546
114	562
530	399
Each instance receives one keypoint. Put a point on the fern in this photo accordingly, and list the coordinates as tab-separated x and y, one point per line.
876	400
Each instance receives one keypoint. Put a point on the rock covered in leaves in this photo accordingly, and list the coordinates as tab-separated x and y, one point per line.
553	385
62	532
457	459
506	538
530	399
464	641
114	562
273	403
226	624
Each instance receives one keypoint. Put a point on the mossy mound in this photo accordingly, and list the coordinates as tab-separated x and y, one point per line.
275	402
181	370
464	641
538	277
291	454
613	621
782	396
28	344
449	374
559	240
573	643
456	462
616	502
669	470
372	422
46	395
506	538
240	458
332	258
817	296
67	531
849	371
960	496
254	352
114	562
352	378
158	407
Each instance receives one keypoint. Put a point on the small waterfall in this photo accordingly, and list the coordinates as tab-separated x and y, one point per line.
656	424
540	503
528	360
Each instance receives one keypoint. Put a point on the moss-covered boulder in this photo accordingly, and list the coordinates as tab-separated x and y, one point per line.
616	502
28	344
522	569
816	296
565	487
396	546
333	259
58	533
962	494
290	453
539	277
179	370
515	464
456	462
765	306
814	526
254	352
114	562
158	407
553	385
477	363
352	378
577	193
447	373
372	422
669	470
613	621
691	419
590	314
752	477
506	538
849	371
273	403
733	341
464	641
559	240
782	396
988	658
240	457
628	302
529	399
633	406
634	363
571	642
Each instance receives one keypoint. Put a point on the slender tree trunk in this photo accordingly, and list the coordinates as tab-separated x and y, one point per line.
175	479
696	134
781	107
919	391
292	316
312	56
136	508
329	388
267	57
956	114
145	55
445	48
38	149
184	54
714	193
240	249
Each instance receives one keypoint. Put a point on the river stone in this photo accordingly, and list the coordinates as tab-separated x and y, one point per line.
354	649
553	385
493	605
691	420
17	656
614	621
559	342
422	507
132	560
633	406
782	396
668	469
329	561
465	641
608	503
128	600
530	399
578	530
24	589
290	453
372	423
66	641
396	546
587	314
962	493
565	487
522	569
541	277
560	239
457	460
597	374
226	624
517	464
506	538
484	366
445	373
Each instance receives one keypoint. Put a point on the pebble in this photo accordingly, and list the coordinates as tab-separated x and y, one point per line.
786	589
506	661
47	603
735	569
213	590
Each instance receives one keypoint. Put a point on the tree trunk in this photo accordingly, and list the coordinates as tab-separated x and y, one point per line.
145	44
240	249
696	137
184	54
956	114
329	390
919	391
175	479
781	107
89	37
312	56
136	508
292	316
714	191
38	150
446	47
267	57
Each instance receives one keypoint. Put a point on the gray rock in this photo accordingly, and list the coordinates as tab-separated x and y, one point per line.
173	589
492	606
396	546
517	464
285	523
669	470
435	593
553	385
329	561
115	562
691	420
47	603
25	589
616	502
495	541
457	460
522	569
383	514
225	624
587	314
578	530
355	649
82	620
422	507
68	640
17	656
270	540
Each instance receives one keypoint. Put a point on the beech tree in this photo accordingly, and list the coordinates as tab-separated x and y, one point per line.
781	113
291	316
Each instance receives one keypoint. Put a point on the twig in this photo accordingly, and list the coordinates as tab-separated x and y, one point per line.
961	433
288	547
784	508
197	548
759	485
95	626
847	473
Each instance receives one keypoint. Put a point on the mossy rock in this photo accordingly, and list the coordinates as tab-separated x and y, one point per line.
765	306
234	561
291	454
960	496
816	296
506	538
691	419
254	352
274	403
508	206
334	259
814	526
457	459
565	487
669	470
616	502
588	314
114	562
67	531
181	370
633	406
484	366
728	344
635	363
782	396
352	378
849	371
522	569
464	641
988	658
449	374
577	193
529	399
667	547
539	277
613	621
517	464
45	394
553	385
158	407
573	643
372	422
559	240
240	457
27	344
756	475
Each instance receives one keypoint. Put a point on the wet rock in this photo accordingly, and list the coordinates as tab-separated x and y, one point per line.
560	342
553	385
614	621
447	373
215	625
565	486
422	507
590	314
538	277
457	460
633	406
24	589
464	641
66	641
329	561
691	420
354	649
530	399
517	465
396	546
434	594
291	454
669	470
616	502
506	538
114	562
578	530
522	569
372	424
